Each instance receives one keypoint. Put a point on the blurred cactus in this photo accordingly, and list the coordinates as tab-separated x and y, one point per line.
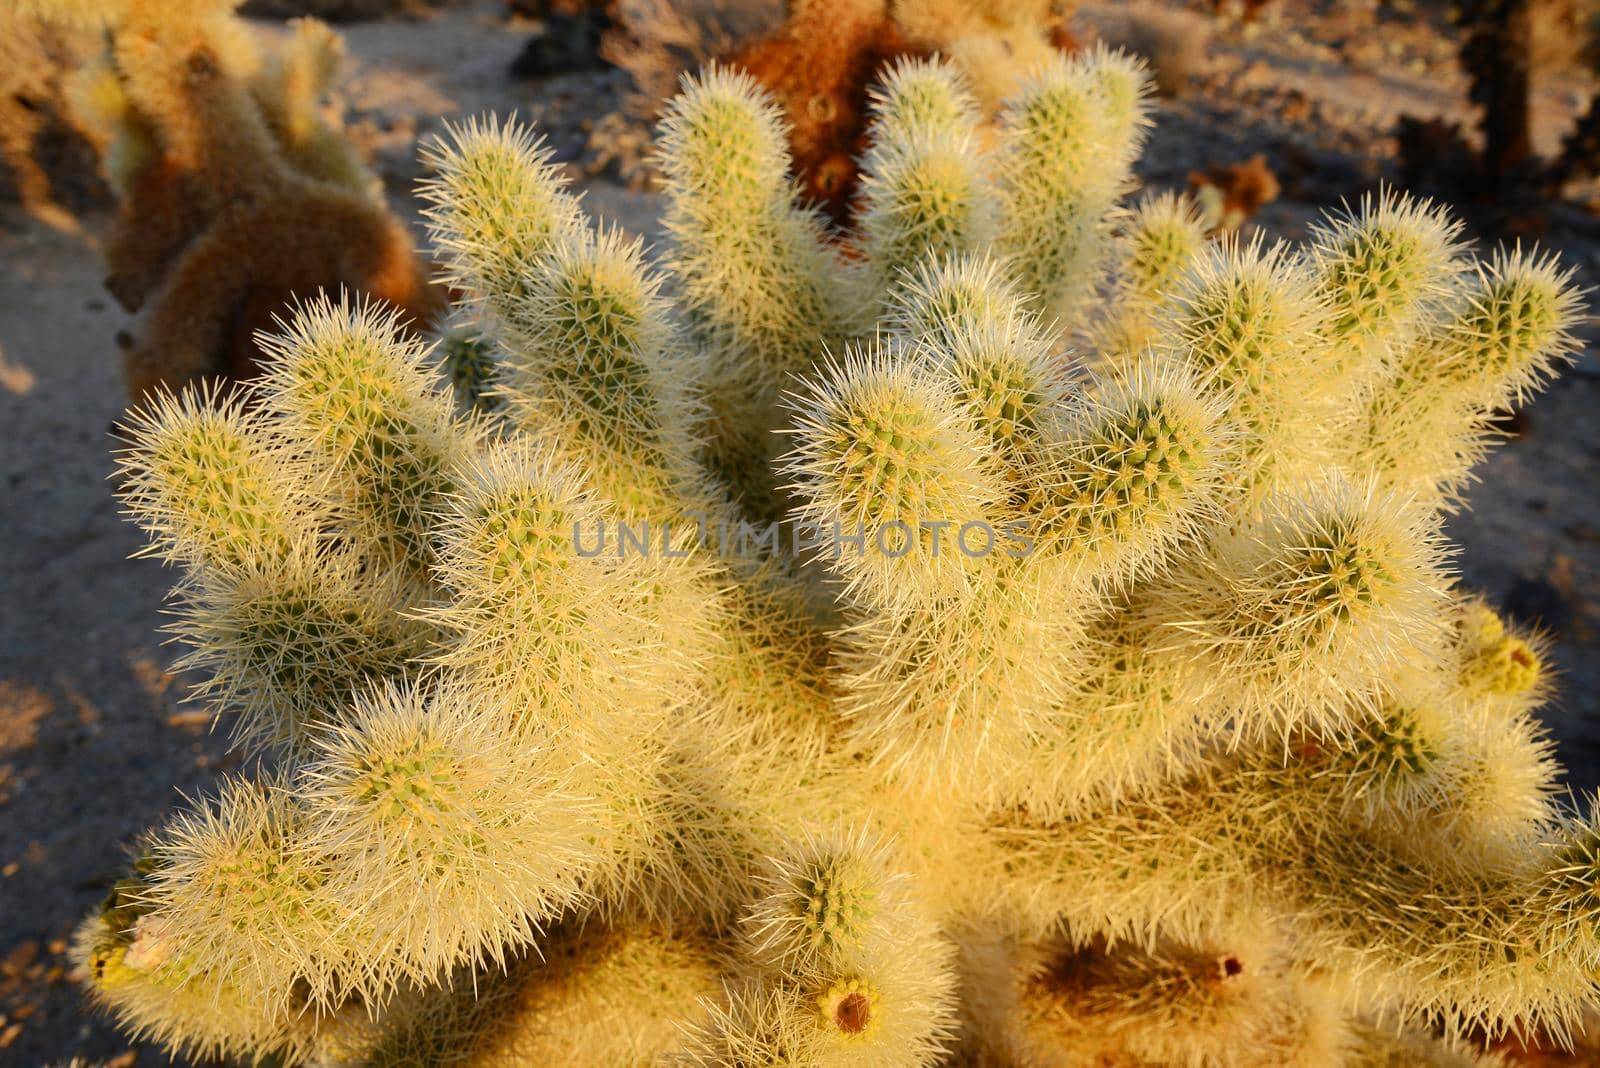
1505	46
45	158
656	41
236	196
821	64
1110	712
820	60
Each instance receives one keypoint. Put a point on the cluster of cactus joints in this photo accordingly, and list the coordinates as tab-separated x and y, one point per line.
1123	707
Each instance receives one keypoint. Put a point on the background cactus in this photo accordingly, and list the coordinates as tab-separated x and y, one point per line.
1505	48
236	194
820	62
1123	708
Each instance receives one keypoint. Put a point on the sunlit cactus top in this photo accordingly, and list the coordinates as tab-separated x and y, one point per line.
1019	634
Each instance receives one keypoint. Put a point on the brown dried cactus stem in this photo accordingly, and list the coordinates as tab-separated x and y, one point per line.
1580	150
1496	53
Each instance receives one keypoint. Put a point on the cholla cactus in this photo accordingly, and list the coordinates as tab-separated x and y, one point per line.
820	60
1074	712
236	194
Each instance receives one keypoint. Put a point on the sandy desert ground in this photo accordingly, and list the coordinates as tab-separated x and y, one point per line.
96	740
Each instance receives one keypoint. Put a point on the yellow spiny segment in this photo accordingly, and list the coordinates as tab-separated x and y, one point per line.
1382	263
1008	381
1246	320
1158	244
295	79
281	643
1476	941
1129	720
1327	593
924	196
197	1016
1070	135
595	372
496	207
1430	420
1459	947
921	94
543	1008
221	934
449	834
125	138
348	385
1137	469
884	457
1177	861
725	137
1433	775
951	693
1513	331
1159	241
510	557
764	294
924	191
942	301
528	613
1245	316
828	903
210	483
1121	80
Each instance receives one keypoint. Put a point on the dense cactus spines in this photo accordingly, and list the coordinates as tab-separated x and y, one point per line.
1130	471
1429	418
1113	709
495	207
923	192
755	272
1074	130
886	457
849	968
1323	591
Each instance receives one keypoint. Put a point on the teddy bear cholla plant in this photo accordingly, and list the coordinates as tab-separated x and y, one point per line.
1116	711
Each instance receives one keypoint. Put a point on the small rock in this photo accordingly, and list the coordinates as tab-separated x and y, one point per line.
18	960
